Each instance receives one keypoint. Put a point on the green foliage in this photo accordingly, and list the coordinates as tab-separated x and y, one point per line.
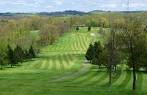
3	58
89	28
11	56
32	52
90	53
93	53
19	54
98	49
77	28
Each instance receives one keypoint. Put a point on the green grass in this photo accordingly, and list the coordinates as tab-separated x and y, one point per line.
59	70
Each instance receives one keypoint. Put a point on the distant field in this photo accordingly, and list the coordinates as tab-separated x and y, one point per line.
59	70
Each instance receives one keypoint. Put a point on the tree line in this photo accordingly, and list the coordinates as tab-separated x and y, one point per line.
22	37
126	43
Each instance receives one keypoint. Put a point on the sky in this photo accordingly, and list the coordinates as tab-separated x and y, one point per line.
79	5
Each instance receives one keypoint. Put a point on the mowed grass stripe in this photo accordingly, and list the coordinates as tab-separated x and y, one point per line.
50	64
79	74
37	65
61	62
125	81
120	79
139	81
43	66
144	84
100	80
83	77
116	77
68	59
58	67
88	78
86	44
64	62
74	75
47	63
94	79
81	44
34	64
129	85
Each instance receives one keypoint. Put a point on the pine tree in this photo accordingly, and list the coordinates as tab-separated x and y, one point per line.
77	29
19	54
26	54
11	57
89	28
97	51
32	52
90	53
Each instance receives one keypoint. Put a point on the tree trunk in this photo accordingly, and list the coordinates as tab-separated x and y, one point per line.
134	68
134	77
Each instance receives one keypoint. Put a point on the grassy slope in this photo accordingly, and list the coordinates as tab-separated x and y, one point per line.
59	70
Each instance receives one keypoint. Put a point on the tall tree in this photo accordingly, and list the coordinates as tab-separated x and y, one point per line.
90	53
97	52
133	38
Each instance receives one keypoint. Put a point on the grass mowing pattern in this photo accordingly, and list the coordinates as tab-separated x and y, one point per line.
59	70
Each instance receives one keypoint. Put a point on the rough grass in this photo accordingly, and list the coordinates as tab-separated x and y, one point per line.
59	70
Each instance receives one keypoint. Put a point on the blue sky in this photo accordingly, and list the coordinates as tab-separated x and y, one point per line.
61	5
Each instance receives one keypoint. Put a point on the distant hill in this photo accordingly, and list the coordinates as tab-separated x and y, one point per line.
100	11
96	11
64	13
16	14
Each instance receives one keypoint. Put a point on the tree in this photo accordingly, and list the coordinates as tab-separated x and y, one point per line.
48	34
97	51
90	53
103	59
11	56
26	54
3	58
144	59
93	53
89	28
133	41
19	54
77	28
32	52
111	48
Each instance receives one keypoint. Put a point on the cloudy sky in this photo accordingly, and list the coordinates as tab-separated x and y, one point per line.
61	5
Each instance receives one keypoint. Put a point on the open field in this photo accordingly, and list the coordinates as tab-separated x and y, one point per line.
59	70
